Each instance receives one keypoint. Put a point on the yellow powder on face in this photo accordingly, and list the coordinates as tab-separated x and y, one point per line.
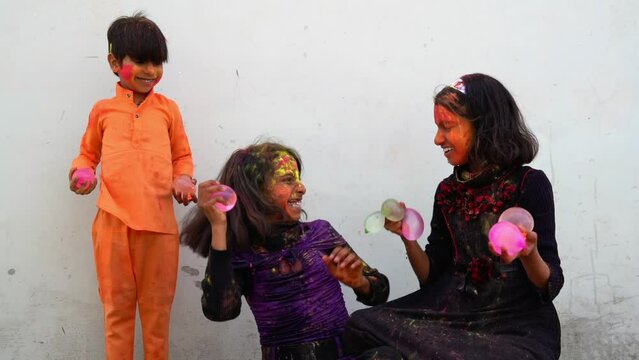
285	164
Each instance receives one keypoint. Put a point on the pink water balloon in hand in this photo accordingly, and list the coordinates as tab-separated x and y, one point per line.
229	196
84	176
506	236
412	224
518	216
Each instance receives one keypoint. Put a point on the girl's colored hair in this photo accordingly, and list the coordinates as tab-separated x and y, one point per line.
137	37
249	172
501	135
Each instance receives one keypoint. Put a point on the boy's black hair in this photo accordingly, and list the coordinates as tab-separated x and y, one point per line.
137	37
501	135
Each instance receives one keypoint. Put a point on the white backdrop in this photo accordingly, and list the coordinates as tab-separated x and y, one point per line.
349	84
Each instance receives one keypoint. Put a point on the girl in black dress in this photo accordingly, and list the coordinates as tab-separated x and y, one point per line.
472	303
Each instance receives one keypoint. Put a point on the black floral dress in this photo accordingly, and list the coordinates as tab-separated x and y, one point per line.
473	306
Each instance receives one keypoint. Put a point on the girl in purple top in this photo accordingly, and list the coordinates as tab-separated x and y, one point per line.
288	271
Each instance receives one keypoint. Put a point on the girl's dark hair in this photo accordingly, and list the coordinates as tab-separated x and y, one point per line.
248	171
501	135
139	38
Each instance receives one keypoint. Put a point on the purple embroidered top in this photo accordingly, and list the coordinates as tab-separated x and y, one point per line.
291	293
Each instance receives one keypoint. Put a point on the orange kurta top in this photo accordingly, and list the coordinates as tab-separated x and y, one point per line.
142	148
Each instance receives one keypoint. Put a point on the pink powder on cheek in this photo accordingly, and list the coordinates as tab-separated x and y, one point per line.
279	196
127	72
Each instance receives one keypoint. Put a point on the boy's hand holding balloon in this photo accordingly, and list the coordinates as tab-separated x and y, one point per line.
82	181
184	189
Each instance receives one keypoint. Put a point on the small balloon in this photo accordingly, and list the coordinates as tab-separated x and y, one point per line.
506	236
412	224
84	176
229	196
392	210
518	216
374	222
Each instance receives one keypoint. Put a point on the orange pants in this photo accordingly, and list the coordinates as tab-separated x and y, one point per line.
134	268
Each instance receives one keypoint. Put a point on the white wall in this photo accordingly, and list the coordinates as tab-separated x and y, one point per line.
349	84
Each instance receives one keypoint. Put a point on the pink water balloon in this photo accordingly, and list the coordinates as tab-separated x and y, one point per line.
84	176
412	224
518	216
229	196
392	210
506	236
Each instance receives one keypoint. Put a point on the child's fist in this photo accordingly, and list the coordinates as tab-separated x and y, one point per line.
184	189
344	264
82	181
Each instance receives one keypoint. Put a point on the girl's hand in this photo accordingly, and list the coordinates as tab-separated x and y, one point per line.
531	246
395	226
82	181
184	189
206	193
344	264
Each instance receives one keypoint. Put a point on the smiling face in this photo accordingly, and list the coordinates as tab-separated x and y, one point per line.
135	76
454	135
286	188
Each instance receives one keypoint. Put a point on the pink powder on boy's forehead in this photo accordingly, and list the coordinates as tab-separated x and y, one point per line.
127	71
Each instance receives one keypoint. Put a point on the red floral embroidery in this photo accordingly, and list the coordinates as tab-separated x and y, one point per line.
454	196
481	270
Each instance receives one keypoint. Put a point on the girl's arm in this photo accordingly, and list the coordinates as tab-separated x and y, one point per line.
419	260
536	268
379	287
541	258
222	286
417	257
427	262
370	286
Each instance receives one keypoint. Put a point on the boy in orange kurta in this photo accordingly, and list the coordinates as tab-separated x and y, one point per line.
139	137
